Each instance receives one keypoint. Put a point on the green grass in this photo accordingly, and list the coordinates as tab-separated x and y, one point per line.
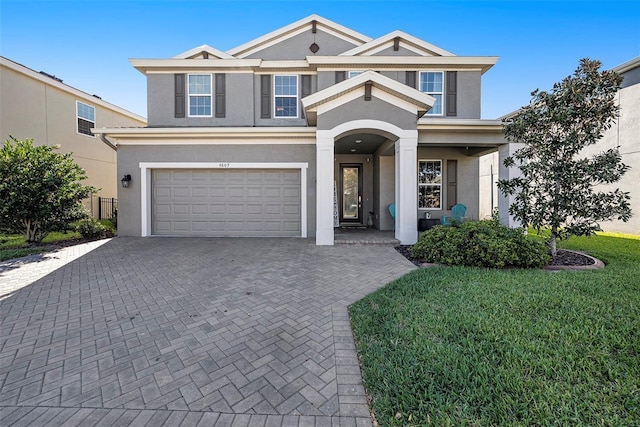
479	347
15	246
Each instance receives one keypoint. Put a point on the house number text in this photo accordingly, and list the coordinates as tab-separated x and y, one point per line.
224	165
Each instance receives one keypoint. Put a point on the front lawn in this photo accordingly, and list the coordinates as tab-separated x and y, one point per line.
470	346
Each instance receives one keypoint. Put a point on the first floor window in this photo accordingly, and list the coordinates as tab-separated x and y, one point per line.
200	95
430	184
86	118
431	83
286	96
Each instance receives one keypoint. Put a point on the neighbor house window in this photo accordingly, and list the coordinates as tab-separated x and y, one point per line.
200	95
430	184
86	118
286	96
354	73
431	84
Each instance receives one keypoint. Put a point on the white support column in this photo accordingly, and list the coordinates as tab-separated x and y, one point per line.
324	188
504	202
406	188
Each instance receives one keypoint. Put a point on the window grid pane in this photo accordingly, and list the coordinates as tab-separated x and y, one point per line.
429	184
286	96
200	95
200	106
86	112
432	84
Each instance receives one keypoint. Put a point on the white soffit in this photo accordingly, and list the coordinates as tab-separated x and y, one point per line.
196	51
380	43
295	28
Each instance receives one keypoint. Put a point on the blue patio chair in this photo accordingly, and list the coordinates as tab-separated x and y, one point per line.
458	214
392	212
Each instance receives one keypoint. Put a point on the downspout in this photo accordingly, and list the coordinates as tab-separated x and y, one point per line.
109	143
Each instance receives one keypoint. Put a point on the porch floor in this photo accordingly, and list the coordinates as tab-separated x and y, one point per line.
363	236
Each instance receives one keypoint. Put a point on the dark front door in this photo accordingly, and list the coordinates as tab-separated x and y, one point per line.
351	192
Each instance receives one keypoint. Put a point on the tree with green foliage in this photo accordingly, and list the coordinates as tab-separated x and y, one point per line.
40	190
556	189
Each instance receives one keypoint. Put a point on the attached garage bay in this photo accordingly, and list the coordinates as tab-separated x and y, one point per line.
226	202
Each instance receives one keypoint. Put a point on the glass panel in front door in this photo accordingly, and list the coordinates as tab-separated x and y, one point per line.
350	194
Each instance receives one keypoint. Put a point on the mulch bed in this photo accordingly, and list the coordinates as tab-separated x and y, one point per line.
563	258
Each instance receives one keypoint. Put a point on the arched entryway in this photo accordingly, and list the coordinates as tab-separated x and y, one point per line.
391	154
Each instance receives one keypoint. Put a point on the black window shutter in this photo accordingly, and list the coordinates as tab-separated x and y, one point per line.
180	100
221	108
305	90
452	183
341	76
306	85
265	96
410	78
452	93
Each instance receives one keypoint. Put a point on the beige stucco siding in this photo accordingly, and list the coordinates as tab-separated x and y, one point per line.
31	108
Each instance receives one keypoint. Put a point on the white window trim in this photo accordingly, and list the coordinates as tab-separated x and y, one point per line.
145	185
433	93
424	185
78	117
189	95
286	96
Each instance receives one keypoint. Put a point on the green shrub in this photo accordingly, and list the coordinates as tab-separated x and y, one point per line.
90	228
114	219
484	243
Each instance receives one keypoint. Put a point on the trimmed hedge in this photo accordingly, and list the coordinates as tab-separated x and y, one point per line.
485	243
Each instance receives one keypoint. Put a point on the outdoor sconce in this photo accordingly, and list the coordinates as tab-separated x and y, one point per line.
125	181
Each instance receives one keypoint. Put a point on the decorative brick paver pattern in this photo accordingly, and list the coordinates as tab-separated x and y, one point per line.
189	332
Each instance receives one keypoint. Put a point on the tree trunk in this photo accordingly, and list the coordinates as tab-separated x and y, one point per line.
552	241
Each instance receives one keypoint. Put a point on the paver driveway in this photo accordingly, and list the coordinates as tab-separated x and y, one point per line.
191	332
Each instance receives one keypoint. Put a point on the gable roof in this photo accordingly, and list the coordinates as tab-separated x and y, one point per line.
198	51
295	28
421	101
406	40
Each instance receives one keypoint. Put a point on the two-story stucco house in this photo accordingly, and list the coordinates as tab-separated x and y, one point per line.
304	128
39	106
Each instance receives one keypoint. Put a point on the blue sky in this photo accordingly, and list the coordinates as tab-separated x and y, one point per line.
88	43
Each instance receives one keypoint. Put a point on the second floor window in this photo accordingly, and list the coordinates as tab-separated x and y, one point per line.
86	118
286	96
200	95
431	84
354	73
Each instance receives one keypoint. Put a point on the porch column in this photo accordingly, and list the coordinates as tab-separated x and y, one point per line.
407	188
504	202
324	188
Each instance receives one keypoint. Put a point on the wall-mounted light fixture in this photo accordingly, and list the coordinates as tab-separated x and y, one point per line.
125	181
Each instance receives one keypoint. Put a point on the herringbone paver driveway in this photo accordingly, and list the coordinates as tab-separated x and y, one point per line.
191	332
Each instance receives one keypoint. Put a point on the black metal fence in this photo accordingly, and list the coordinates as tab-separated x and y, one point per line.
106	207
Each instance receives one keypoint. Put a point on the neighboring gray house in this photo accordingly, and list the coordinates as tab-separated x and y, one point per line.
626	135
266	138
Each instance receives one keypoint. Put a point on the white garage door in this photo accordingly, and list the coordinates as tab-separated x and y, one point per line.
226	202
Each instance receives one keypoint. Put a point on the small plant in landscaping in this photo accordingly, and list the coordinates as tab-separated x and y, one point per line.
90	228
484	243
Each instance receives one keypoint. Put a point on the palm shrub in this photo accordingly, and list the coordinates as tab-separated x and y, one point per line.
485	243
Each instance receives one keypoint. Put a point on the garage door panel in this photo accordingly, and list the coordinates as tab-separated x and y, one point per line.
224	202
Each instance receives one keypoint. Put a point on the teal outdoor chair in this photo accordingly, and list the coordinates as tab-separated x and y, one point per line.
458	213
392	212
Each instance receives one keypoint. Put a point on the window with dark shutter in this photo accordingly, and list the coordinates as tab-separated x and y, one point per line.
265	96
180	101
452	183
221	110
341	76
452	93
410	78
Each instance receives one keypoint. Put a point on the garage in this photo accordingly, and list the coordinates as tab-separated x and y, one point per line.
226	202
